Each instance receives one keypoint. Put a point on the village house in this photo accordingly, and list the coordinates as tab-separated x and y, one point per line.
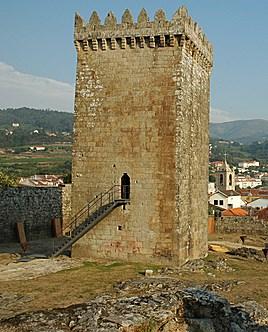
235	212
215	165
251	194
244	182
37	148
248	163
225	196
262	214
259	203
211	188
42	181
226	199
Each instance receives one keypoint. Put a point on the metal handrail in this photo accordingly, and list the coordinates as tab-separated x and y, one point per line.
114	193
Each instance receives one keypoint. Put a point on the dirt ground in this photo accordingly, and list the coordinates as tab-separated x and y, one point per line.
235	240
52	283
12	269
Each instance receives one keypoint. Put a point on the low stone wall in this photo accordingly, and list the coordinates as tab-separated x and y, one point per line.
35	207
242	225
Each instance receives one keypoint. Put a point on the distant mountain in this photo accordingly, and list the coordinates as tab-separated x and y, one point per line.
243	131
31	119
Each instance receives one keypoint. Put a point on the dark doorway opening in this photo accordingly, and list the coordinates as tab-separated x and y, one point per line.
125	186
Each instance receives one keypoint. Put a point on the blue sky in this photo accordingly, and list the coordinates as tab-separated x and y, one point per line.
37	57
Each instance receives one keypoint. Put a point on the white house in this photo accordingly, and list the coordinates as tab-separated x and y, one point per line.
264	177
216	164
244	182
249	163
211	188
37	148
226	199
42	181
259	203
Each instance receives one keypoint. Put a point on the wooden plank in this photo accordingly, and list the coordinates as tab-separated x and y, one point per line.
22	237
21	232
211	225
57	227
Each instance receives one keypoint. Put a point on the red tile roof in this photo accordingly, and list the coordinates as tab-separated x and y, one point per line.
230	192
235	212
254	192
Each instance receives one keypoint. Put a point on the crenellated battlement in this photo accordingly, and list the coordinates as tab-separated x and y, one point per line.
180	31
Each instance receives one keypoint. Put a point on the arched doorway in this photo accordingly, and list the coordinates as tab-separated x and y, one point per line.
125	186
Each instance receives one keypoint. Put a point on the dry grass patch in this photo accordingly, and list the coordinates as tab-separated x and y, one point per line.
251	240
72	286
81	283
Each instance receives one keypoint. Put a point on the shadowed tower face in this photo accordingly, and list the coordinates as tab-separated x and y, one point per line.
141	120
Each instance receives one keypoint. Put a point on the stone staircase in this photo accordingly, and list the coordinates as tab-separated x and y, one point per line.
90	215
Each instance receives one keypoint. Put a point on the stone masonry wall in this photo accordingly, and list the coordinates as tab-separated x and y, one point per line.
191	152
242	225
141	108
66	203
35	207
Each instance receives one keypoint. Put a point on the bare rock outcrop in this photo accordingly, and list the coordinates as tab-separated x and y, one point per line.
164	307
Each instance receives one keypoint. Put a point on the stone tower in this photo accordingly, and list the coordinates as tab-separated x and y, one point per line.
142	112
225	177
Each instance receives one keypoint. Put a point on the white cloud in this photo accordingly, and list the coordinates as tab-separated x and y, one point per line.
18	89
218	116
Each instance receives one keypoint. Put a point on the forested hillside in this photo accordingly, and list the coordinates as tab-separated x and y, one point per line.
22	127
29	118
242	131
238	152
25	126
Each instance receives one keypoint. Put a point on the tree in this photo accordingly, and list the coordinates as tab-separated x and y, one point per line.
7	180
212	178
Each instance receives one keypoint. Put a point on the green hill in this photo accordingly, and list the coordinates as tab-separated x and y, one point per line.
243	131
26	126
31	119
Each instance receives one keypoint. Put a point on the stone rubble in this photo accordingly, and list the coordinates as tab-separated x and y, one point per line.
164	306
224	286
200	265
11	304
249	253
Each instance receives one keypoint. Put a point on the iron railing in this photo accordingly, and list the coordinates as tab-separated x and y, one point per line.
100	200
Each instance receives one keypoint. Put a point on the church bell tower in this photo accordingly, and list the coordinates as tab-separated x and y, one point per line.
225	177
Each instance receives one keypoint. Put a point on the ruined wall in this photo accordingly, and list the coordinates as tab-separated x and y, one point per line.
141	108
242	225
35	207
